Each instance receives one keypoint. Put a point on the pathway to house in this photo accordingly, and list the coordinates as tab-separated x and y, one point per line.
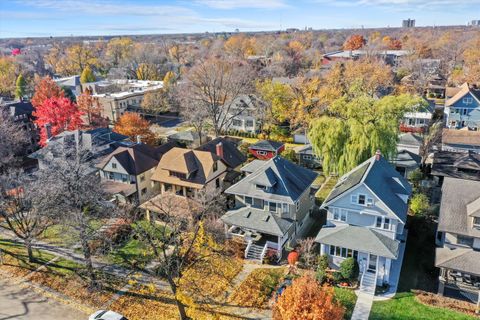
363	306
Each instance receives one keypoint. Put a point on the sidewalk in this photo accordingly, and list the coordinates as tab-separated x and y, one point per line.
363	306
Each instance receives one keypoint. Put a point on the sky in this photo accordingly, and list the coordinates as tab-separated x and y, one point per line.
41	18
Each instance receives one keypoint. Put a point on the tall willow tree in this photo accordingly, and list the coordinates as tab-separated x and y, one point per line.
352	130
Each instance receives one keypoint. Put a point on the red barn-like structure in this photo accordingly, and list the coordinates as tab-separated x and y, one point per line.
266	149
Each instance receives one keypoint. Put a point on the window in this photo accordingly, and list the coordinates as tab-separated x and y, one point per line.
237	123
354	198
124	178
343	215
111	176
260	187
439	236
262	153
476	221
307	157
297	205
144	191
464	111
463	240
343	252
336	213
215	166
272	206
142	178
386	224
248	200
379	222
285	208
249	123
217	183
114	165
178	175
467	100
361	199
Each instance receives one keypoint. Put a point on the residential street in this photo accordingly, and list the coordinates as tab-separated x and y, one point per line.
19	303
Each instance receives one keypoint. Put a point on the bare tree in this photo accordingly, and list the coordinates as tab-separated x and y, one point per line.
77	198
23	208
176	236
12	141
431	139
212	87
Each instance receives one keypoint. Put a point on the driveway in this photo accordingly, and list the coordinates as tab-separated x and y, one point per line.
19	303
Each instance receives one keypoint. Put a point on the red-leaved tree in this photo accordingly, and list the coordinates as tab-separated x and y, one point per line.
46	88
60	113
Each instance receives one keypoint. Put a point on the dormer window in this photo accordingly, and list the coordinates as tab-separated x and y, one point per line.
467	100
178	175
114	166
215	166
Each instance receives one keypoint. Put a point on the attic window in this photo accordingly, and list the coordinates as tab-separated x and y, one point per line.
260	187
114	166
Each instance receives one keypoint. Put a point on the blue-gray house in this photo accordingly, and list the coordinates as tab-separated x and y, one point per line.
463	109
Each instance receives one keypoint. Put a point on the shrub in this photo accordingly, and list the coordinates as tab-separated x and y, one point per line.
321	276
419	204
323	262
349	269
337	276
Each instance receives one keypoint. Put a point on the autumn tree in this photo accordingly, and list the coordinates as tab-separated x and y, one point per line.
213	85
354	42
87	75
73	59
7	76
46	88
119	50
60	114
147	71
155	102
305	299
176	235
91	108
133	125
23	207
351	130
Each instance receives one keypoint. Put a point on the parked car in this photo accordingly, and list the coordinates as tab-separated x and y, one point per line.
106	315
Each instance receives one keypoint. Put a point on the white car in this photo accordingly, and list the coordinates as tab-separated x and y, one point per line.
106	315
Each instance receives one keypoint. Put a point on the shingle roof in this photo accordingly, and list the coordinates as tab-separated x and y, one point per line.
184	136
253	166
410	139
360	239
453	164
267	145
196	164
407	159
258	219
456	195
461	137
231	155
460	259
290	179
382	179
138	158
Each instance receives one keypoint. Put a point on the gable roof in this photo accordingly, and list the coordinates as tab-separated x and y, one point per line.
382	179
407	159
268	145
360	239
457	196
456	165
195	164
464	90
258	219
188	135
137	158
410	139
253	166
231	155
287	181
461	259
461	137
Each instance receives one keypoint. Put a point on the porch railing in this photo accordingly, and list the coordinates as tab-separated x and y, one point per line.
264	251
249	244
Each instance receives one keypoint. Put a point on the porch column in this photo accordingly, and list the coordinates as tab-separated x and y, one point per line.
147	215
322	249
279	243
162	187
184	189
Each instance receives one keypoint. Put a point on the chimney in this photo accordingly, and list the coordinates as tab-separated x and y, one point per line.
139	139
48	128
378	155
219	149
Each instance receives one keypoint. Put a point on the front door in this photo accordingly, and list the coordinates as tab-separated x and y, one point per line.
372	262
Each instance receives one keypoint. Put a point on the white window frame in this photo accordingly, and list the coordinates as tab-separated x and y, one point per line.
262	153
383	224
246	202
341	252
468	100
270	206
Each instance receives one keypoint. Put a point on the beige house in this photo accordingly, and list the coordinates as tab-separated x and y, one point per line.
185	172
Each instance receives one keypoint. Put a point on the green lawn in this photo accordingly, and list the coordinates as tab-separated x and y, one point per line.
66	236
347	298
405	307
418	273
131	251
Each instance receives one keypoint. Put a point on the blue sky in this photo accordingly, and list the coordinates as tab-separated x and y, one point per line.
24	18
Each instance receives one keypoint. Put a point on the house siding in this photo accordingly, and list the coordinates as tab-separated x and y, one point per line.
462	114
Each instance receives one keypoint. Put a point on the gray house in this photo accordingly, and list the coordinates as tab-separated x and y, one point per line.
306	157
366	215
272	206
458	238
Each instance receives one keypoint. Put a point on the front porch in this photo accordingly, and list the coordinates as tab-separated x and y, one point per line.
460	285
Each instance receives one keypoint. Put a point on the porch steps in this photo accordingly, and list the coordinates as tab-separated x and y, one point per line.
368	282
255	253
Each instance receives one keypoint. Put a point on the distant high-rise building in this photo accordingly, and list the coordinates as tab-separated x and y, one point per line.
475	23
409	23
